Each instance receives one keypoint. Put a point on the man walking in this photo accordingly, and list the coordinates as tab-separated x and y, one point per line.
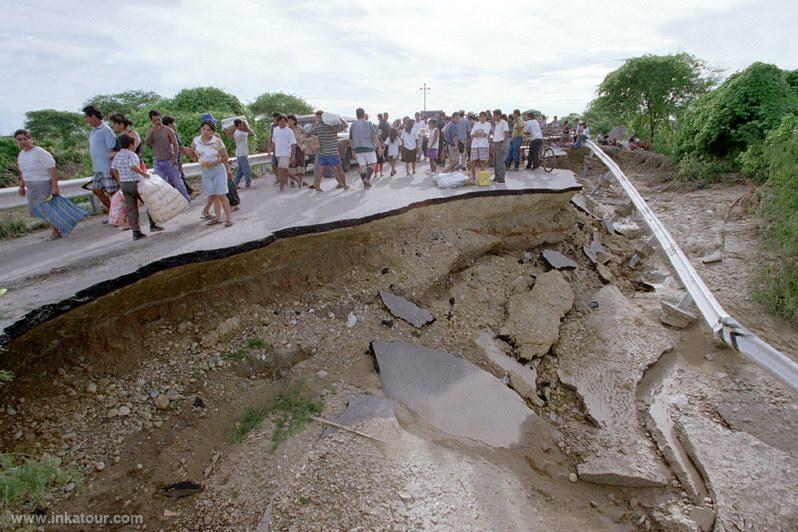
328	157
101	149
516	138
241	135
532	128
463	129
501	135
170	122
384	126
164	152
365	141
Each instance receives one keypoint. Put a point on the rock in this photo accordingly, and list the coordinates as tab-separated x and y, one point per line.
162	402
604	273
387	323
572	477
533	321
673	518
99	466
228	326
604	357
704	518
321	374
406	310
439	388
91	388
124	411
183	327
69	487
351	320
676	317
113	412
712	258
758	487
557	260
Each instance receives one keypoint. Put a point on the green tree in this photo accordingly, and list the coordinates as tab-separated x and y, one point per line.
63	126
205	100
279	102
737	115
125	102
533	111
647	91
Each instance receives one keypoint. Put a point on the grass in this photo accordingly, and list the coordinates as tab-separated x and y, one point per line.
255	342
250	419
239	353
25	476
243	352
293	409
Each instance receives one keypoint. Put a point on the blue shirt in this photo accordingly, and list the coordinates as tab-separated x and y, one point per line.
462	129
101	141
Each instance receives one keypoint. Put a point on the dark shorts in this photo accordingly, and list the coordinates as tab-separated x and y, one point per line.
408	156
328	160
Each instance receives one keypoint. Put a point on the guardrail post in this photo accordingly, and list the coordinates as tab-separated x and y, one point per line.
96	205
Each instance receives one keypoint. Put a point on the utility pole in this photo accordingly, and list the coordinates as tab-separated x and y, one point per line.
424	90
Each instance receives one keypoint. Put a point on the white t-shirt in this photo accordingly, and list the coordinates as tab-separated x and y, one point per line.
393	147
241	138
207	152
417	127
480	142
283	138
409	139
533	128
35	164
499	130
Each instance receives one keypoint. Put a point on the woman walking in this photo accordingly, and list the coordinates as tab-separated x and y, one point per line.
124	126
408	139
480	146
37	170
298	157
212	155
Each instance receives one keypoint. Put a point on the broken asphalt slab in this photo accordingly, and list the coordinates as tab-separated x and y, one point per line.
592	251
557	260
523	379
603	354
406	310
361	407
454	395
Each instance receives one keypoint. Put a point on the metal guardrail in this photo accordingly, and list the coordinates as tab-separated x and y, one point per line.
727	328
70	188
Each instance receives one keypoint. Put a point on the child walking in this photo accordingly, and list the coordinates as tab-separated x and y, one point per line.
409	143
126	164
393	144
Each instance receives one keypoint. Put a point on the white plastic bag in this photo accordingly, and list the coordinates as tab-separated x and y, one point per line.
162	200
450	180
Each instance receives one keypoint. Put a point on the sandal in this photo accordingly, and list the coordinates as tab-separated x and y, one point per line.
206	217
228	223
214	221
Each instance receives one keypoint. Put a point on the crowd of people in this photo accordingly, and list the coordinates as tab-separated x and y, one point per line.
472	143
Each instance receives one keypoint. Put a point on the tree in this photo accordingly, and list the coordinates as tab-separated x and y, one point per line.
737	115
279	102
63	126
535	112
647	91
125	102
207	100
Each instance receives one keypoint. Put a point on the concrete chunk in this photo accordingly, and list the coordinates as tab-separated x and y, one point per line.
523	379
533	322
675	316
752	483
603	355
406	310
454	395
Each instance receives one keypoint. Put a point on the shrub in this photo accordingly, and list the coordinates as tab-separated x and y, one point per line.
24	476
778	287
702	168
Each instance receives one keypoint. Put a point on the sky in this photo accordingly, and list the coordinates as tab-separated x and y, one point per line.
343	54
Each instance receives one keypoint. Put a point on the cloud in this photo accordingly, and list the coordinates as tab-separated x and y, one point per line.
340	54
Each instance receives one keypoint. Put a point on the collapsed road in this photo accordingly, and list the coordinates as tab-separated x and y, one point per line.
535	398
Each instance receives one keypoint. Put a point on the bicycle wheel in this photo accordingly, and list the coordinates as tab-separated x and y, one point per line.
548	160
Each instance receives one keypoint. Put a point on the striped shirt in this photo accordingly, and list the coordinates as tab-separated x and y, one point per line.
328	138
122	163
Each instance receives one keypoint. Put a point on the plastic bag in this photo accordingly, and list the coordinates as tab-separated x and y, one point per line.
483	178
117	213
162	200
450	180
